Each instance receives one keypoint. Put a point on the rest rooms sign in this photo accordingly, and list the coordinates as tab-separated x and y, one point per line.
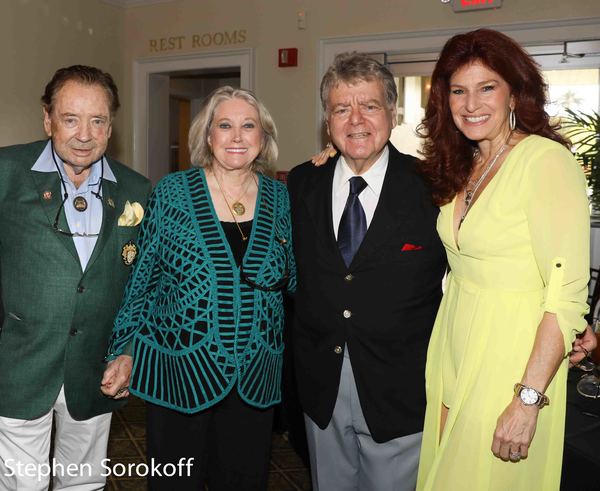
468	5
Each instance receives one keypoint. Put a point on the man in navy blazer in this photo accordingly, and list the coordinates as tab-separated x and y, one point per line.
369	285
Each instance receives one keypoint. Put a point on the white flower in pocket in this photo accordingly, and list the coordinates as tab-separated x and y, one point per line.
132	215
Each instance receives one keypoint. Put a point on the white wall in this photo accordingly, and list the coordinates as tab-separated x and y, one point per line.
39	36
291	93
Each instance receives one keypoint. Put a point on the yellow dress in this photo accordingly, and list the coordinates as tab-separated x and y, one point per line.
523	249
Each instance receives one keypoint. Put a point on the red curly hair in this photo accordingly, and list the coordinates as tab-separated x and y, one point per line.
447	153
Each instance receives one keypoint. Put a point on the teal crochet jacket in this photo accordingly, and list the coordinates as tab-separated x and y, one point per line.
197	330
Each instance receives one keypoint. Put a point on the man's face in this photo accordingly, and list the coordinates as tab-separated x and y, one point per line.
359	121
79	124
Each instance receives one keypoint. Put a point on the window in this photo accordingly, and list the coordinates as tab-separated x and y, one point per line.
571	70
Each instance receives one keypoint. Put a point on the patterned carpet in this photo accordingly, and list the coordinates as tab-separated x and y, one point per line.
127	445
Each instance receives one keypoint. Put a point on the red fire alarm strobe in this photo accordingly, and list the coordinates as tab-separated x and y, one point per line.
288	57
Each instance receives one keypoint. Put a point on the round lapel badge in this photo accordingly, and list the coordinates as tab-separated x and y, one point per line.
47	195
80	203
129	253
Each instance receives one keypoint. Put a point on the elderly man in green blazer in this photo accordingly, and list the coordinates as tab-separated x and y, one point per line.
69	219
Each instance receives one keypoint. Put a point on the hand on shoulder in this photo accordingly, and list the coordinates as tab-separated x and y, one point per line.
321	158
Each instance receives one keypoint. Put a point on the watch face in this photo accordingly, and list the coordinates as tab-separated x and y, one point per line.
529	396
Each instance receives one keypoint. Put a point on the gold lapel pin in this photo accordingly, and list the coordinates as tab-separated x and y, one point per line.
47	195
129	253
111	203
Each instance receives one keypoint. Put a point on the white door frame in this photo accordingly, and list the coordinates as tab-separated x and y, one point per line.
144	67
433	41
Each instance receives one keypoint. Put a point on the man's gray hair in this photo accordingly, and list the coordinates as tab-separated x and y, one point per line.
353	67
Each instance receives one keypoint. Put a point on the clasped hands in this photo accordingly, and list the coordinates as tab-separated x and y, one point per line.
115	382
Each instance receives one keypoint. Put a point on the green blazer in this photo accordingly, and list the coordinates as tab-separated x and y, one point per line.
56	318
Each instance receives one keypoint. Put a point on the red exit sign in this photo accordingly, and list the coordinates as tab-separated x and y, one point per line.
468	5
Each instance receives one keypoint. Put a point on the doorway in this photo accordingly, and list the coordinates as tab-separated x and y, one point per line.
176	98
168	92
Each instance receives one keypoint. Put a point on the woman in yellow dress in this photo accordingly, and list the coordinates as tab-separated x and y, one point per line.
515	223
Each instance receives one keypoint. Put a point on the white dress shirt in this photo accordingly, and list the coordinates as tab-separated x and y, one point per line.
369	197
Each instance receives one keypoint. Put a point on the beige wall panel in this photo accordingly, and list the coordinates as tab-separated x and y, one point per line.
39	36
290	93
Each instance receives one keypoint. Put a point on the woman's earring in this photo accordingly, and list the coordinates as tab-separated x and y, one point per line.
512	119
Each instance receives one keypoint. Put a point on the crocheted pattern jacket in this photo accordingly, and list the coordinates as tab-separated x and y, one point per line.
197	330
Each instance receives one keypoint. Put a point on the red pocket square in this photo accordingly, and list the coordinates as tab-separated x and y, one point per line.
411	247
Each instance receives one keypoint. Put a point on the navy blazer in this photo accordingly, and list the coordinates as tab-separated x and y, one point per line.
392	291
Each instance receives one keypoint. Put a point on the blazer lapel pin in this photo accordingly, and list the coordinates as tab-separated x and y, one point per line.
132	215
129	253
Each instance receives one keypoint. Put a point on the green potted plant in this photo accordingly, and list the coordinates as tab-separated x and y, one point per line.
583	128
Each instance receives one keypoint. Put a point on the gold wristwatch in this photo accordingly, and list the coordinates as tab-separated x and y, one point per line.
531	397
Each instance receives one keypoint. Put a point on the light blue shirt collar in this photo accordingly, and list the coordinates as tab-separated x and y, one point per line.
45	163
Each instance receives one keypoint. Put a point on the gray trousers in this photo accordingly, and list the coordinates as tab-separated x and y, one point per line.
344	456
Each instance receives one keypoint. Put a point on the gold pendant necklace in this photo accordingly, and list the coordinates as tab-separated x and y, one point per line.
237	208
470	194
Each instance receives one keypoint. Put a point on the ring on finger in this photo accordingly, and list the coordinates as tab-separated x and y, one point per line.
515	456
122	389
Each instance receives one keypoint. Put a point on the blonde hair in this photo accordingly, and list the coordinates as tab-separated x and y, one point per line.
200	152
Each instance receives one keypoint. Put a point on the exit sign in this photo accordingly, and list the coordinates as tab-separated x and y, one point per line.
468	5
